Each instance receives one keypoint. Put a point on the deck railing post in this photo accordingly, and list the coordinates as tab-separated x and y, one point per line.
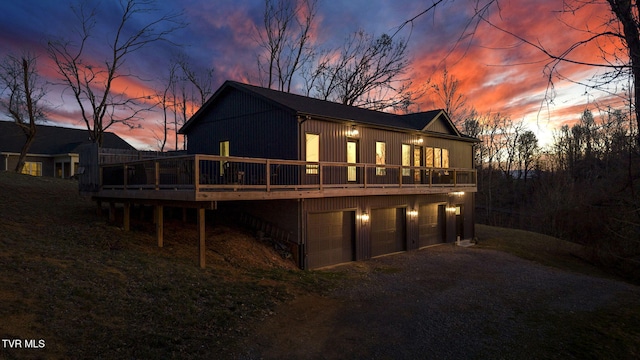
196	173
320	180
157	174
268	175
365	176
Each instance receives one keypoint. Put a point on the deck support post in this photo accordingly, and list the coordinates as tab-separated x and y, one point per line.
127	216
201	232
159	212
99	208
112	212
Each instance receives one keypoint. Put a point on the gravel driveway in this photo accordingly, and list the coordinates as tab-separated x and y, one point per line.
444	302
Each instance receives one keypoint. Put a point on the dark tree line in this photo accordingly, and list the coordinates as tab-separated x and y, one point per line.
584	187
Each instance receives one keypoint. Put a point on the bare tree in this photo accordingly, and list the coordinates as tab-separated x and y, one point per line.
23	92
185	89
447	94
200	80
620	26
165	97
527	152
510	133
92	84
286	41
367	72
474	128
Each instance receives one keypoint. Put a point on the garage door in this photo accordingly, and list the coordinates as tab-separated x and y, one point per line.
387	231
330	238
431	224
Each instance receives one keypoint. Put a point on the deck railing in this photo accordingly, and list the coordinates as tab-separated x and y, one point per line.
207	173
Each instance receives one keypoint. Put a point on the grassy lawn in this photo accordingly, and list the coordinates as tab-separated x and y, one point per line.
91	290
612	332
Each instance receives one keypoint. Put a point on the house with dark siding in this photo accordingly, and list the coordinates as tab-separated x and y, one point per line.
54	151
336	183
248	121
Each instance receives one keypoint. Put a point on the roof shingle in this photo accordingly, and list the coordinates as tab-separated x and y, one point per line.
53	140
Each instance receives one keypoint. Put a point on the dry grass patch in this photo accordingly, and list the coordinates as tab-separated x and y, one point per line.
92	290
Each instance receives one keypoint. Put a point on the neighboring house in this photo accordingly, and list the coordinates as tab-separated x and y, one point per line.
54	151
336	183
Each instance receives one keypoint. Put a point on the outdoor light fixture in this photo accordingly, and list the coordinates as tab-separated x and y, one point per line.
451	209
420	141
353	132
413	213
364	217
457	193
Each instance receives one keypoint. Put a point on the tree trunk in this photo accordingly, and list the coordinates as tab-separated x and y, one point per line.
31	135
623	9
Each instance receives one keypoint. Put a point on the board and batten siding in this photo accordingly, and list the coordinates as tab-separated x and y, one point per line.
253	127
334	136
460	152
439	126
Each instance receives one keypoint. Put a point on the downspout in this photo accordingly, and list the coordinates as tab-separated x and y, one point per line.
301	224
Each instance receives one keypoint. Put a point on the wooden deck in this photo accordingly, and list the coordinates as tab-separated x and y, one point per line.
200	181
206	178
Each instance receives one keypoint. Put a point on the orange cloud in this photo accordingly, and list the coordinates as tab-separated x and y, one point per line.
498	72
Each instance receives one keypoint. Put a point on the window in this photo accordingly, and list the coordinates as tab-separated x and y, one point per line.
312	152
406	159
417	162
437	157
445	158
224	151
352	148
381	155
32	168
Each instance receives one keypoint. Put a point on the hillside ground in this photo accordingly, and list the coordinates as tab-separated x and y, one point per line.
83	288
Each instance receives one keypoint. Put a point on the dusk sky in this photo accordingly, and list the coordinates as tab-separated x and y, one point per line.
497	72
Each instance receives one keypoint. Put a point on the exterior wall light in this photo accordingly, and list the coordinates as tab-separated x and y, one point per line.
451	209
353	132
420	140
413	213
457	193
364	217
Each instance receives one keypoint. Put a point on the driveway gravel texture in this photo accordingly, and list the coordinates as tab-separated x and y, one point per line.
442	302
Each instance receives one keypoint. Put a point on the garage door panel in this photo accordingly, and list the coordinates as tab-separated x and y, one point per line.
330	238
387	231
431	224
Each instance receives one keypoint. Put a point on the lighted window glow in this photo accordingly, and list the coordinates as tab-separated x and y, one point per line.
313	152
32	168
224	151
406	159
381	156
437	157
352	159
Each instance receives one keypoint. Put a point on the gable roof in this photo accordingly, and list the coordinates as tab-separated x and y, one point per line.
307	106
53	140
